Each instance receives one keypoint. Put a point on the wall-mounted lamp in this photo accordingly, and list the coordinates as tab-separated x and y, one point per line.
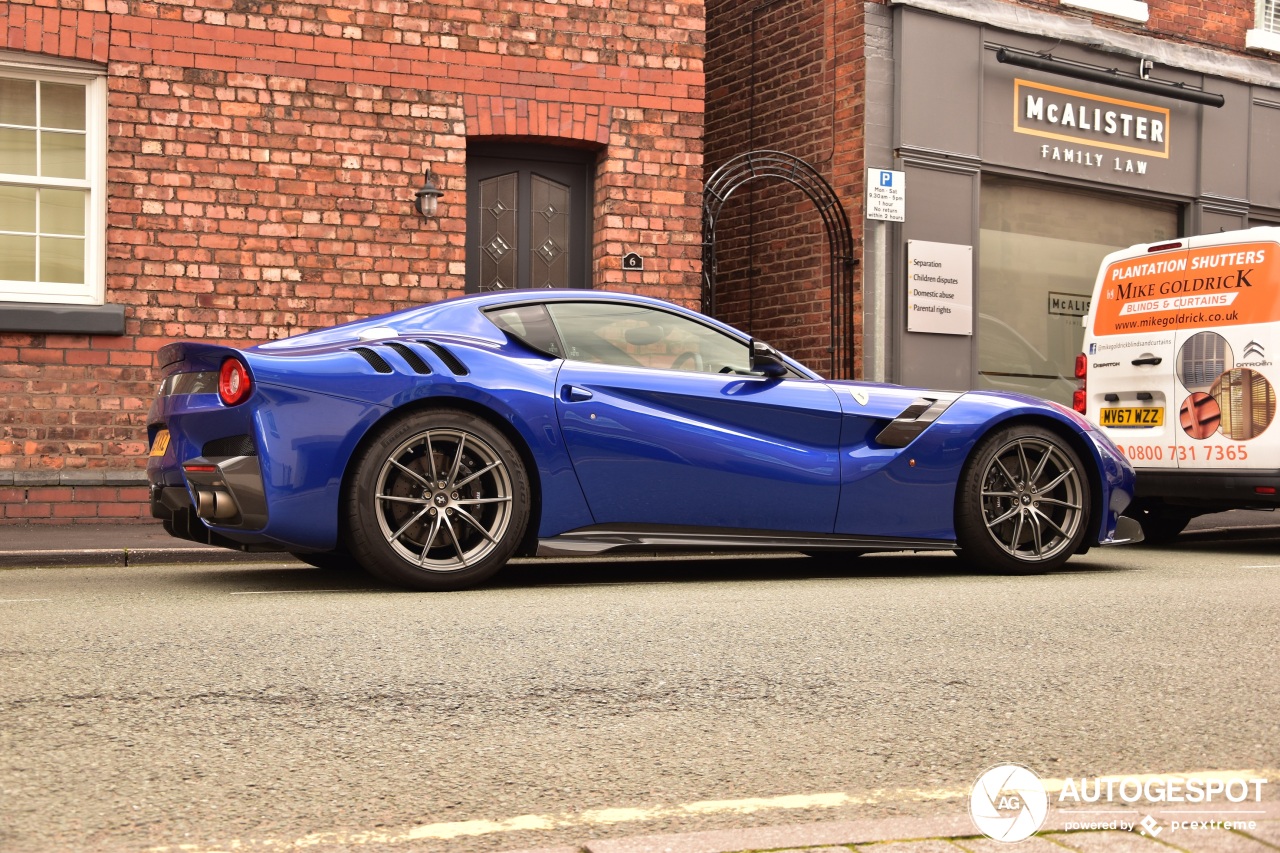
427	199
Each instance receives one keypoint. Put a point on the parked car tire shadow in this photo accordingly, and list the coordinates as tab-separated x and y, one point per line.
288	575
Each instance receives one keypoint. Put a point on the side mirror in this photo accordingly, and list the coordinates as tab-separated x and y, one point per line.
767	361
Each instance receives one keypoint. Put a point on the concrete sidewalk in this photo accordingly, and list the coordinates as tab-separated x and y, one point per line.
956	835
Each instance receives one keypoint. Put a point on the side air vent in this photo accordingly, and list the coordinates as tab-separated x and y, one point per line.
376	361
450	360
235	445
914	420
415	361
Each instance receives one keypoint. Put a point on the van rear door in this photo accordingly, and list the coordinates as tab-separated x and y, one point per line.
1228	308
1131	387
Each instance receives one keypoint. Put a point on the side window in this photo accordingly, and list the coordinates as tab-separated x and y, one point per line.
530	324
635	336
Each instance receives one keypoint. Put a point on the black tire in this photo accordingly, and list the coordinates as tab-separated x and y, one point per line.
1023	503
439	500
1160	524
336	561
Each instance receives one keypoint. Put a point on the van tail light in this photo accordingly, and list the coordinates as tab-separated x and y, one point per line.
1078	401
234	384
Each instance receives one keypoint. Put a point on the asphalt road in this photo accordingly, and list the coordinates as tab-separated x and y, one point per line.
260	706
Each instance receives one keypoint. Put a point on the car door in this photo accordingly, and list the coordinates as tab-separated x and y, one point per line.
664	427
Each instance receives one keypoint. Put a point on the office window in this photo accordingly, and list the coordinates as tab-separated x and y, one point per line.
1129	10
1038	255
52	185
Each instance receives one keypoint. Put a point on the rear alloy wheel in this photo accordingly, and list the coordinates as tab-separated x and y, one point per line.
440	501
1023	505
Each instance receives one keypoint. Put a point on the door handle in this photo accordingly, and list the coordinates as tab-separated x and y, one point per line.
574	394
1151	359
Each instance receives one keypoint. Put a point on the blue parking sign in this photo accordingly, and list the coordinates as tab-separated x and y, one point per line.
886	195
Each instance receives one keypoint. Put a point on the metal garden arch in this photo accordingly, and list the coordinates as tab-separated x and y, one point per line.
756	165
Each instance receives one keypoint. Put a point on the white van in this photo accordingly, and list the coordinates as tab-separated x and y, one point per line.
1178	368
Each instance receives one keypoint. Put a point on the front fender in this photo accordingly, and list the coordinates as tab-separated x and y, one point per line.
915	493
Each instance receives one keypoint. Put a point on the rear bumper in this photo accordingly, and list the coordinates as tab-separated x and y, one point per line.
178	515
1209	490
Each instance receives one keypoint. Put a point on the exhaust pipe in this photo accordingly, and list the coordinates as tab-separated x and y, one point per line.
215	505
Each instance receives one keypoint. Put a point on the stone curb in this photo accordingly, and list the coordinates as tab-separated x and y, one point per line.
74	477
796	837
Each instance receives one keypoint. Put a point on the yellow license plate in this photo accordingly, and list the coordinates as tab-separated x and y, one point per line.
162	443
1134	416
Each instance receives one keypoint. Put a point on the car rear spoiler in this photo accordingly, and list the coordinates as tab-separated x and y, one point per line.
198	355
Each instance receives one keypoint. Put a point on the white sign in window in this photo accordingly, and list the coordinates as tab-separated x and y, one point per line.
939	288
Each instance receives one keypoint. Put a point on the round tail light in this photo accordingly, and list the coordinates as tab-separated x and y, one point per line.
234	384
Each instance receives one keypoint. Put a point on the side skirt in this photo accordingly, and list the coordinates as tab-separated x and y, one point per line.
598	539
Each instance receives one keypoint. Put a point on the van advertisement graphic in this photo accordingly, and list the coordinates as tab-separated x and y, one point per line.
1216	286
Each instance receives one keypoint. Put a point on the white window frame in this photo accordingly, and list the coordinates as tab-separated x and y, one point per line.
1129	10
1262	36
93	292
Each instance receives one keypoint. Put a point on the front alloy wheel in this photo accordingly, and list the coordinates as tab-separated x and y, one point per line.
440	502
1024	502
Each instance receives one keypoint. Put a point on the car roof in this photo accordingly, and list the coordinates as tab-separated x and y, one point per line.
464	315
493	299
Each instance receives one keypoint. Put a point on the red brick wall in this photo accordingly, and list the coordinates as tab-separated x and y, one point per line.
261	168
1215	24
784	78
66	504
